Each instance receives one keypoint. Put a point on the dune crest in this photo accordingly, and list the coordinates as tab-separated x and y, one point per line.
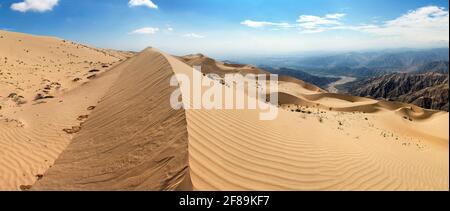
133	140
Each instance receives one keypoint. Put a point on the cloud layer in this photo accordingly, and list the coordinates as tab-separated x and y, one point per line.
145	3
34	5
314	24
194	35
261	24
145	30
425	24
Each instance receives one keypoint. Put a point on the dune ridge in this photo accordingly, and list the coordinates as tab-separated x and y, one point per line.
133	140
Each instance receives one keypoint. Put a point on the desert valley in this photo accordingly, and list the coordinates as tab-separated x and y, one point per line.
76	117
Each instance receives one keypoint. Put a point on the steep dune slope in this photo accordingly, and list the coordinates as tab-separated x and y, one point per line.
133	140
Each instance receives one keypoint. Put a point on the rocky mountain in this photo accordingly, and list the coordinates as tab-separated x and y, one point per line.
438	66
385	60
427	90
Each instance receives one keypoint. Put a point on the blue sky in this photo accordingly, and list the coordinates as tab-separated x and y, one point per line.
234	27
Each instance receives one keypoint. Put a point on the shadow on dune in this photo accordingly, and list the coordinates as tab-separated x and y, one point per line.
133	140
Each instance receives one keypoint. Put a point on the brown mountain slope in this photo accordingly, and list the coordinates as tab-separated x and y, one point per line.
429	90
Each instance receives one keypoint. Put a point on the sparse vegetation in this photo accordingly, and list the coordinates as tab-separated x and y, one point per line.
39	176
321	119
18	99
39	96
25	187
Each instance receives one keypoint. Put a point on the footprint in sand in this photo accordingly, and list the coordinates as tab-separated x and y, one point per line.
74	129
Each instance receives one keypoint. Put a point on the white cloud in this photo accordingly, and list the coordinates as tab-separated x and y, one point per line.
34	5
428	23
335	16
255	24
170	29
424	24
316	24
145	30
422	27
193	35
306	23
261	24
146	3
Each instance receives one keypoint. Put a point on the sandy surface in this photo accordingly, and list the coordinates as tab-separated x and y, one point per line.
39	97
116	131
323	141
133	140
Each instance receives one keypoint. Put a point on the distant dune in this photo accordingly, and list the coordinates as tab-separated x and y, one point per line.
320	141
116	130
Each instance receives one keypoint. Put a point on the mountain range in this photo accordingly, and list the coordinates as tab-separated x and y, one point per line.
427	90
358	64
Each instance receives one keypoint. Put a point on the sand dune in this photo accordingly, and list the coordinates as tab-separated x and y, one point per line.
216	67
31	127
118	132
133	140
320	141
